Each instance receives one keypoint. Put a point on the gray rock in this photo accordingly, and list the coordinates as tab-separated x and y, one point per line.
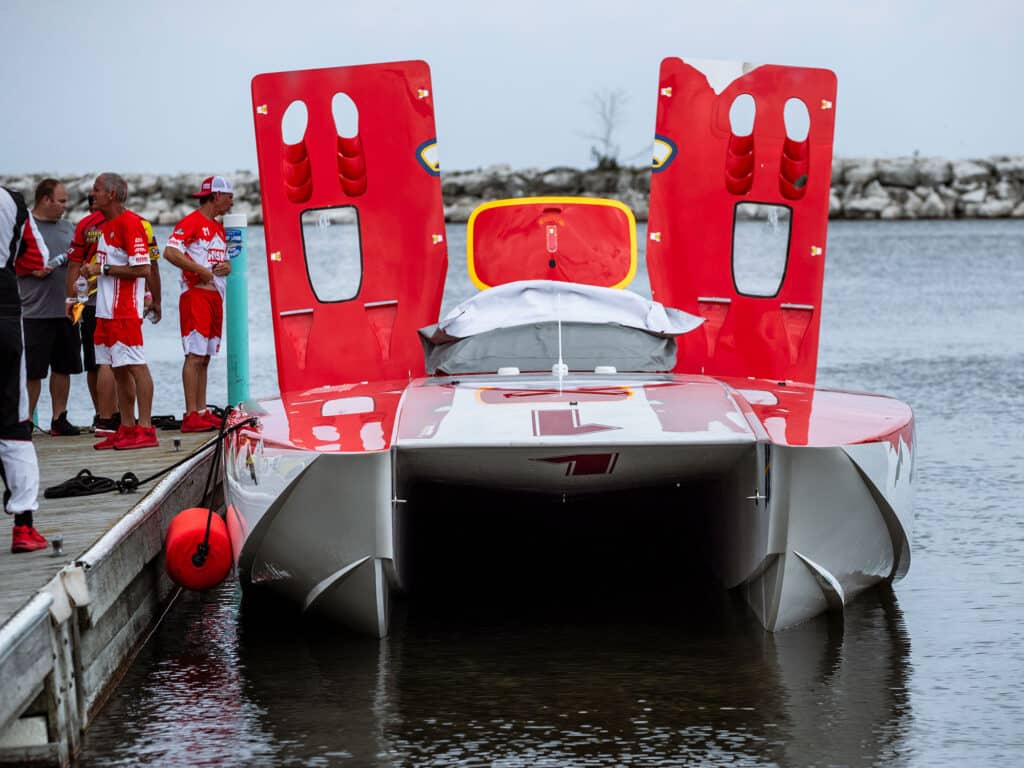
891	212
995	209
839	166
459	211
1018	211
1004	190
600	183
559	181
975	196
932	171
969	171
933	207
1010	167
912	206
898	172
473	183
860	172
835	206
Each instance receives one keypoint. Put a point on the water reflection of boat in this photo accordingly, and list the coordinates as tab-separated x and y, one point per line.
552	384
603	690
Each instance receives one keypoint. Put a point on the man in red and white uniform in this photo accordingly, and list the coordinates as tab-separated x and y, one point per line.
100	378
122	266
198	247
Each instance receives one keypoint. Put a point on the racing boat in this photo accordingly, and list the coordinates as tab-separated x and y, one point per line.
552	381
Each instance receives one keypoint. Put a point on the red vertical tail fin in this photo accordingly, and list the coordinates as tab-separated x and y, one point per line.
704	169
384	172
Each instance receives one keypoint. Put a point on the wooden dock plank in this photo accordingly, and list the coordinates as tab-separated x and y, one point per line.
81	520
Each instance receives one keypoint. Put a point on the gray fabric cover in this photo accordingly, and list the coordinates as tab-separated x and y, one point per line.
534	347
538	301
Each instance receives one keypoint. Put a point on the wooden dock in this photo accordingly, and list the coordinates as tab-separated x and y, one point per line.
81	520
71	623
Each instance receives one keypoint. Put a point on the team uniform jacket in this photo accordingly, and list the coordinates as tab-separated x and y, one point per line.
123	242
87	239
204	242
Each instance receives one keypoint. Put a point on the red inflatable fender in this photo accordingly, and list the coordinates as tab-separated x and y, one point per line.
184	535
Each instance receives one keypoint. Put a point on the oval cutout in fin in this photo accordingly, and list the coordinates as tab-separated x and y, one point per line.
351	155
742	114
296	169
294	122
797	119
346	115
795	161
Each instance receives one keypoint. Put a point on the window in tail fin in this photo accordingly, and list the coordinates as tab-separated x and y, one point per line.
332	244
760	247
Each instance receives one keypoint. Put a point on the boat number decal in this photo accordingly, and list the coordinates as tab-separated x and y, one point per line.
585	463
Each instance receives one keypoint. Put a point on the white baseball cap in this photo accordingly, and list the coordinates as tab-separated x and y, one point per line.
213	184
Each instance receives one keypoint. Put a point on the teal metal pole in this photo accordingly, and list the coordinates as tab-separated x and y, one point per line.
237	311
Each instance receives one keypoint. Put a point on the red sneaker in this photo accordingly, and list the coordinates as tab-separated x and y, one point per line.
142	437
194	422
211	419
25	538
122	433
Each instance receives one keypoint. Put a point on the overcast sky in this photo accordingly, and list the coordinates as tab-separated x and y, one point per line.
141	86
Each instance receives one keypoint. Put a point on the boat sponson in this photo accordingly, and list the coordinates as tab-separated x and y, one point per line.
321	542
821	512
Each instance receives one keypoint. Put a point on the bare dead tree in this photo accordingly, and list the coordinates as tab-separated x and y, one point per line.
608	108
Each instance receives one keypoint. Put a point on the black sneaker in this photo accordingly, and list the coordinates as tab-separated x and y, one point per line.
106	427
61	427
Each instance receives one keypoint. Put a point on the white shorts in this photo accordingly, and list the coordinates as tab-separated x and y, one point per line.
197	344
118	342
22	471
119	354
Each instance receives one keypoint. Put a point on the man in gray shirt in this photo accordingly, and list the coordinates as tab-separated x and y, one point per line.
52	343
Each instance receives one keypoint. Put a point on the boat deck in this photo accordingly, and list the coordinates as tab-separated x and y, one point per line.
81	520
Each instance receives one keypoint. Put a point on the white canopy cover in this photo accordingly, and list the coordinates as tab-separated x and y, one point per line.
538	301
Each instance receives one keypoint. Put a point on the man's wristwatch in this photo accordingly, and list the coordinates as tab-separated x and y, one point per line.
106	269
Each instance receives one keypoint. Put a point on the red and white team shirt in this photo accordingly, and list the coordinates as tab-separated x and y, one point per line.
34	253
123	243
202	240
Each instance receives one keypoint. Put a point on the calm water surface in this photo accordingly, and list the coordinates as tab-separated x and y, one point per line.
928	674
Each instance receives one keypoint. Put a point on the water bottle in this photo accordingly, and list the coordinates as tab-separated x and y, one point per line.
149	313
82	289
59	260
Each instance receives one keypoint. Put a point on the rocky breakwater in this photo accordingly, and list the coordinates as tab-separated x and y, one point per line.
896	188
869	188
161	198
927	188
